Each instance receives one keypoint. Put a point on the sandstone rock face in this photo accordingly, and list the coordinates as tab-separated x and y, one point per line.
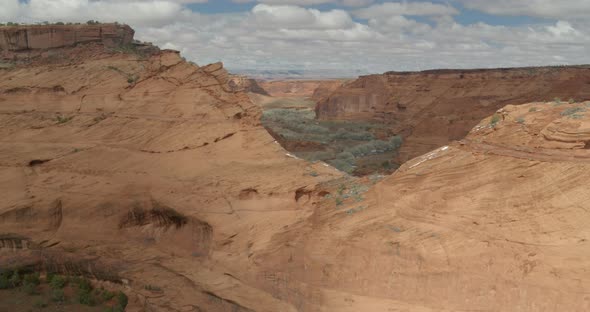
17	38
147	170
496	222
299	88
326	88
432	108
244	84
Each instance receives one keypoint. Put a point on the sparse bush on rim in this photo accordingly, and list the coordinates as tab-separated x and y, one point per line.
495	119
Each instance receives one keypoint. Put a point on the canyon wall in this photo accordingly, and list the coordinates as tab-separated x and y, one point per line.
17	38
240	83
299	88
431	108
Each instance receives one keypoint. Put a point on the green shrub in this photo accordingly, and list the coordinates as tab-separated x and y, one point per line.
84	284
532	109
57	282
572	110
32	278
15	279
315	156
39	304
375	147
106	295
341	165
152	288
132	78
122	299
85	297
49	276
57	295
30	289
127	49
571	101
5	276
116	308
495	119
63	119
345	134
4	282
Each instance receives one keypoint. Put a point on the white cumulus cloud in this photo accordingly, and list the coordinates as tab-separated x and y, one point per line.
539	8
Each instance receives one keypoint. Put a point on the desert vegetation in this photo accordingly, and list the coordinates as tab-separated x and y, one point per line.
30	291
342	144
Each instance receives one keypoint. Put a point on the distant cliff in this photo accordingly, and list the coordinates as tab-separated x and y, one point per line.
38	37
245	84
434	107
299	88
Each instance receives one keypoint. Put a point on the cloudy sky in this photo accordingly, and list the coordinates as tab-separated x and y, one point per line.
347	36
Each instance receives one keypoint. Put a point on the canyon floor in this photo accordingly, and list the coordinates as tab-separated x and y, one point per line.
359	147
151	176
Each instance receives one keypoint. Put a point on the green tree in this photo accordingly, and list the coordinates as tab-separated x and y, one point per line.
15	279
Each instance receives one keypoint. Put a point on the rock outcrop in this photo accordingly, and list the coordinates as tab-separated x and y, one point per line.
431	108
39	37
144	166
496	222
244	84
325	88
300	88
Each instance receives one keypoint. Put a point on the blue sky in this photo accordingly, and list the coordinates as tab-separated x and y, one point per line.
342	36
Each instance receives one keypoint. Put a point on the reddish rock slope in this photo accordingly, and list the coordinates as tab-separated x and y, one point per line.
497	222
145	170
433	107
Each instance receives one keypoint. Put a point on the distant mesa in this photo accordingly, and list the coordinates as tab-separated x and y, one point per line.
34	37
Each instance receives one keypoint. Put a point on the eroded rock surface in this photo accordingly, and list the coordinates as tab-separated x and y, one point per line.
245	84
146	167
33	37
300	88
431	108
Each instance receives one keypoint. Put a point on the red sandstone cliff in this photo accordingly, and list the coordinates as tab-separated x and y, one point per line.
431	108
17	38
298	88
325	88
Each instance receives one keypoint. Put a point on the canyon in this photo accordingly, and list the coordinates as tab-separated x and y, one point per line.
432	108
313	89
154	176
